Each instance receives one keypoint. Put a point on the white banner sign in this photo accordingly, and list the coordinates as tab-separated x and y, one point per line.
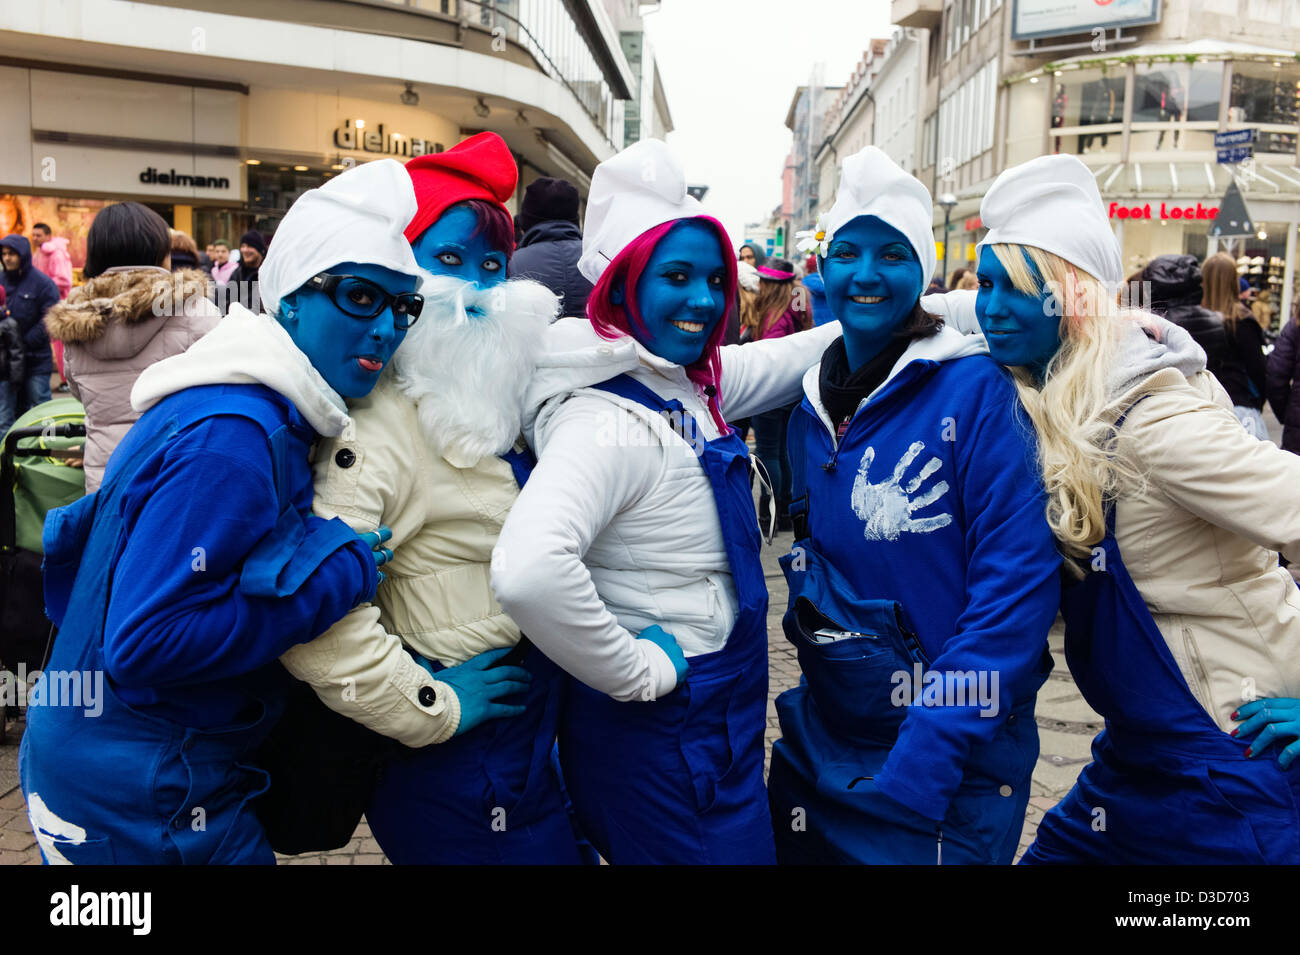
1040	18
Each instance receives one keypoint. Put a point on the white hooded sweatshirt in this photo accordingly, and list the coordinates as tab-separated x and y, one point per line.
617	529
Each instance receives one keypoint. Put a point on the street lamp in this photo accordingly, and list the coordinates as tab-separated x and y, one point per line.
947	200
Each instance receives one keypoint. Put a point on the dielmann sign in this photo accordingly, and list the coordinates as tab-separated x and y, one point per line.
1167	211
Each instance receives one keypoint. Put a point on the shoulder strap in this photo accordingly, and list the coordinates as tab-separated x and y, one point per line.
674	414
625	386
1119	423
522	461
797	458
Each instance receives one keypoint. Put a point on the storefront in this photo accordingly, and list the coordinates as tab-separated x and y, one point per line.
214	160
1144	121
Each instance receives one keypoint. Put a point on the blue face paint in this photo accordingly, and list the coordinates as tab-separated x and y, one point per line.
348	352
1022	330
446	248
681	293
873	279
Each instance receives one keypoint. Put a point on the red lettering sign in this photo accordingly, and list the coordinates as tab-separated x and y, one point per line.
1167	211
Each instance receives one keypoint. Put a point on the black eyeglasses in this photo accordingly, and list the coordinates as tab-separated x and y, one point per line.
363	299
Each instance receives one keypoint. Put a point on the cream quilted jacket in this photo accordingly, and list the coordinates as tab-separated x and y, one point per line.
437	598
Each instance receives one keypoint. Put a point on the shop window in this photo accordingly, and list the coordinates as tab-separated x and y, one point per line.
1087	98
1267	94
1168	95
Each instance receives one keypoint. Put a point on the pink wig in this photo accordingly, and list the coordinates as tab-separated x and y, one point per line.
616	321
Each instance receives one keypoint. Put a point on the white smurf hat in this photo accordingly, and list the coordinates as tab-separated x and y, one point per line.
872	184
1053	203
631	193
358	216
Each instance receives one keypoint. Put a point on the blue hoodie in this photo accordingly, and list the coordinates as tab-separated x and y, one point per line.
970	556
29	293
821	310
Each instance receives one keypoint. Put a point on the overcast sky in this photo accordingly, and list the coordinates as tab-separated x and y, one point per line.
730	69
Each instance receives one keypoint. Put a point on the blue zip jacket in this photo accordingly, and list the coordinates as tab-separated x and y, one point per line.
821	310
213	578
29	294
932	498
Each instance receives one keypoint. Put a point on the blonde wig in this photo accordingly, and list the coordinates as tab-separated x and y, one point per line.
1077	437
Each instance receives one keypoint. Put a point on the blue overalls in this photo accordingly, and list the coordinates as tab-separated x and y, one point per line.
857	608
493	795
1166	784
680	780
126	786
489	796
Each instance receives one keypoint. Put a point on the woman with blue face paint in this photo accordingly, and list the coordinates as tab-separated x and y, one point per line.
923	580
631	557
178	584
1181	629
432	456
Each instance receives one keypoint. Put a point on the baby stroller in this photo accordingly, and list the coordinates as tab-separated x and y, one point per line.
37	474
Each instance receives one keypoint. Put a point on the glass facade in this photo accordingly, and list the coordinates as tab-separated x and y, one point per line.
1268	95
1176	106
547	31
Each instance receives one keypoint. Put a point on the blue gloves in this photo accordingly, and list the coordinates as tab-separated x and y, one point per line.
375	540
666	642
1278	718
479	684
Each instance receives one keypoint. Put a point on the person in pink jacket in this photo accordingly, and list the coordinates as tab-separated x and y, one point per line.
50	255
131	313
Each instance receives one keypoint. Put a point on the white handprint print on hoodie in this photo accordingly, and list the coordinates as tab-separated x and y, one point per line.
886	508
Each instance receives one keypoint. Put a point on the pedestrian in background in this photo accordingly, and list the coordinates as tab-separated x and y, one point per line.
1242	370
130	313
29	294
184	252
1176	295
552	243
50	255
241	287
223	266
11	365
1282	381
751	254
774	313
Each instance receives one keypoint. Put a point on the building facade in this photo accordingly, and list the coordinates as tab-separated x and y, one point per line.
1139	104
220	120
646	114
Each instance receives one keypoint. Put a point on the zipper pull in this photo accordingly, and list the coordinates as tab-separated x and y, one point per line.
939	832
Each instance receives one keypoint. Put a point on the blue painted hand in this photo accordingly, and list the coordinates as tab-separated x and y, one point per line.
1276	720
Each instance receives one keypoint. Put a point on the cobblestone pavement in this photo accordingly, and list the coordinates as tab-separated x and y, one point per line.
1066	727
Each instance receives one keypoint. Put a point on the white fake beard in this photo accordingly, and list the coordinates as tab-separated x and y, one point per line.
467	373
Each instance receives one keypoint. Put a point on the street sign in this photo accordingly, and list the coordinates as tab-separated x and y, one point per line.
1237	137
1235	154
1233	218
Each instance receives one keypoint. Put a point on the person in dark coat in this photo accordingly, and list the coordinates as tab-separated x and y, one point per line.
241	286
552	243
1176	294
29	293
1282	383
12	364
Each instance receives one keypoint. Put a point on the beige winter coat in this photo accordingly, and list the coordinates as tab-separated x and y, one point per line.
437	598
114	327
1201	540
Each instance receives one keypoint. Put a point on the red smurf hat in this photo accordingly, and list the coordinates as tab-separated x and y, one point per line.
479	168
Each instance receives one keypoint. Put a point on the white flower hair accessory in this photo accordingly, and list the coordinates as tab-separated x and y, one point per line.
814	240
